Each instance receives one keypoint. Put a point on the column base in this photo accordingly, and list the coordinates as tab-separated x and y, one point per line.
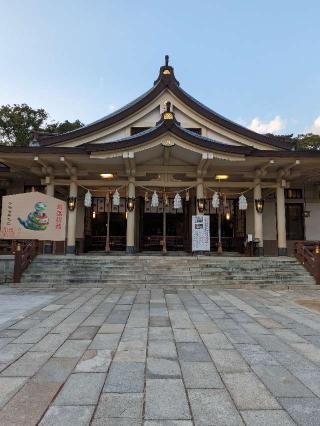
71	249
130	249
282	251
259	251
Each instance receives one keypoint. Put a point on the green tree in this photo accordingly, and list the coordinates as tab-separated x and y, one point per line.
17	123
63	127
308	142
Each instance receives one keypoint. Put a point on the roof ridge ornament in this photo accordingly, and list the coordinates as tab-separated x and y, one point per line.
166	74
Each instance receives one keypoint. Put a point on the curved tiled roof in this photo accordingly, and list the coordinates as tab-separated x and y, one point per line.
166	79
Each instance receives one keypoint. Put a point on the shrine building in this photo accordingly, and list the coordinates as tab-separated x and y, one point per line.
134	179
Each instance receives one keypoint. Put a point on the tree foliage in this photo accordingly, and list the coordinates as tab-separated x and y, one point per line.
301	142
18	122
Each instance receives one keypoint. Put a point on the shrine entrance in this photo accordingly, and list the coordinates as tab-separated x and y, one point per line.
97	219
165	226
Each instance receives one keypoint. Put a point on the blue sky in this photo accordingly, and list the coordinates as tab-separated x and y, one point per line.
255	62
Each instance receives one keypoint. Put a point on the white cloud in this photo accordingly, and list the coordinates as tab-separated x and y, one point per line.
315	128
111	107
272	126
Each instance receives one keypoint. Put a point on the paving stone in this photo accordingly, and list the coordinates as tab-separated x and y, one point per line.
52	307
8	387
111	328
248	392
304	411
216	341
160	368
166	399
125	377
75	415
12	351
27	365
33	335
267	418
84	333
309	377
280	382
256	355
160	333
117	317
157	321
206	327
213	405
81	389
28	404
309	350
200	375
72	348
56	370
50	343
94	361
193	352
117	422
10	333
162	349
132	351
228	361
105	341
186	335
4	341
127	405
168	423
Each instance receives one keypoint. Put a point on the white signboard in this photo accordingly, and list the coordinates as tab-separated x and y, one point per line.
201	233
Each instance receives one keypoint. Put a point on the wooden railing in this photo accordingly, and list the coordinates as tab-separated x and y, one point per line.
24	253
308	253
98	242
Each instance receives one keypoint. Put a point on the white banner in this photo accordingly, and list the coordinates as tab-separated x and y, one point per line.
201	233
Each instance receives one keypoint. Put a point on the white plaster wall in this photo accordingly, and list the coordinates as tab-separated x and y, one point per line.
312	223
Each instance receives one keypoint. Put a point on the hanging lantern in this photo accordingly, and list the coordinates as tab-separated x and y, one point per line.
107	197
71	203
116	198
215	200
200	202
146	197
130	204
166	200
94	214
88	199
187	196
155	200
228	215
177	202
259	203
243	204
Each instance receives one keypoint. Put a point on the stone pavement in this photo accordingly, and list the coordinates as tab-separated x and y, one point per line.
157	357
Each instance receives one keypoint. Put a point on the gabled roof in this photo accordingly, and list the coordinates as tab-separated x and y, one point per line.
163	127
165	80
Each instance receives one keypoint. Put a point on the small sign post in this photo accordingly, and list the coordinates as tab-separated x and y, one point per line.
200	233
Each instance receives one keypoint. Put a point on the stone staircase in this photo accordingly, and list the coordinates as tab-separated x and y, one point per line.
167	272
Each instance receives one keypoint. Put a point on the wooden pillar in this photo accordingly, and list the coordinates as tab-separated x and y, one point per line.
258	224
72	219
281	220
130	245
